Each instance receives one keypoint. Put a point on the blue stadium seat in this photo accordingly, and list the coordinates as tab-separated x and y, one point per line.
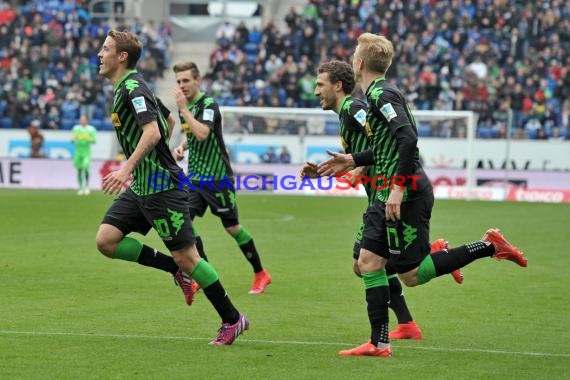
67	124
107	125
484	132
424	130
96	123
6	122
331	127
98	113
251	49
255	36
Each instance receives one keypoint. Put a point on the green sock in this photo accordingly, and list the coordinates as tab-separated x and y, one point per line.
129	249
242	237
426	270
374	279
204	274
80	178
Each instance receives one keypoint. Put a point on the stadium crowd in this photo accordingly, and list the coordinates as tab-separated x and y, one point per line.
488	56
49	66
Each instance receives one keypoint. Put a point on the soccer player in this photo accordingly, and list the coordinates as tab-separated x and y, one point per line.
83	136
142	132
334	86
397	223
209	166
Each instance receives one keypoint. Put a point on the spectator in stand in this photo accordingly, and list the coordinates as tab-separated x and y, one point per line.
269	157
284	155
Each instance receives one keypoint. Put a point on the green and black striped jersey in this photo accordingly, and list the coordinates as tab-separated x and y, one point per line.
352	118
208	158
387	112
134	105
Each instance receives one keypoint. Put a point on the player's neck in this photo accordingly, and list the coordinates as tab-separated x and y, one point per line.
339	100
118	75
368	77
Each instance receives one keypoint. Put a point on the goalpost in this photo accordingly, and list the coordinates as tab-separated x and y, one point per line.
445	138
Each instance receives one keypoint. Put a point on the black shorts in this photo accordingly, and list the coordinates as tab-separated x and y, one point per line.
390	267
166	211
413	232
221	200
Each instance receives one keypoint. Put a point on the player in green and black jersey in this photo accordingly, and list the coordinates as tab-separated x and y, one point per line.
397	223
334	85
209	167
155	197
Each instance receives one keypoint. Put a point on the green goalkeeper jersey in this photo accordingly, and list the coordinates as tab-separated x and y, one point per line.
84	137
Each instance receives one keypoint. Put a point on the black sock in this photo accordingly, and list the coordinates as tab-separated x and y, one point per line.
200	248
250	253
377	301
447	261
219	299
150	257
398	302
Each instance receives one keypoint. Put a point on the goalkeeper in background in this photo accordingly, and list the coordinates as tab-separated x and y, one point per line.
83	136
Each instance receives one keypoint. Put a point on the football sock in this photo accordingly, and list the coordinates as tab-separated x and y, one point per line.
86	171
397	300
205	275
150	257
128	249
199	244
80	178
247	246
377	299
444	262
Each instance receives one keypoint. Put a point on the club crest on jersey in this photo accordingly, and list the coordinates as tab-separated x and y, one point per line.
208	115
360	116
139	104
115	120
388	111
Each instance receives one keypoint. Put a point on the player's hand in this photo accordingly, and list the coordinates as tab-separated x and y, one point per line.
394	202
309	169
179	98
114	182
179	153
339	162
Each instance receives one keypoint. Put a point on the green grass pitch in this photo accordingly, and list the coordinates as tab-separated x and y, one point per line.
66	312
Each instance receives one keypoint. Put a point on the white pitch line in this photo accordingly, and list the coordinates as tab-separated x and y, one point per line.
292	342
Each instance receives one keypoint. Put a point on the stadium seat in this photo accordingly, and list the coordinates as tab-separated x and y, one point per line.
424	130
484	132
6	122
96	123
251	49
107	125
255	36
331	128
67	124
98	113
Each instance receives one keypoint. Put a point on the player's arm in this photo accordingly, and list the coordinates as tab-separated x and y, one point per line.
114	181
168	116
199	130
179	150
393	110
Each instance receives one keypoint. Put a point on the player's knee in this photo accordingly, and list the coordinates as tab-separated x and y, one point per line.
105	245
233	230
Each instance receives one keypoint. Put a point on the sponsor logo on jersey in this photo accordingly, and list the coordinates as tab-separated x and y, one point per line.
115	120
208	115
139	104
360	116
388	111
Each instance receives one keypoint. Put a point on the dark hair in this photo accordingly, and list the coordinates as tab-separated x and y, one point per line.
127	42
185	66
339	72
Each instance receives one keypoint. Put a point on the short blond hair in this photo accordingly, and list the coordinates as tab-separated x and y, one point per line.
127	42
375	51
